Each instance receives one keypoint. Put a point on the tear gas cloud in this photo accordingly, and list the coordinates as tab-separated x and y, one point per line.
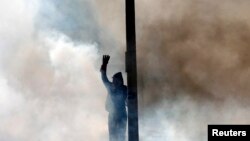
192	64
48	79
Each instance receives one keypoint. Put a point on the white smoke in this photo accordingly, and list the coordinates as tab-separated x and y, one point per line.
50	88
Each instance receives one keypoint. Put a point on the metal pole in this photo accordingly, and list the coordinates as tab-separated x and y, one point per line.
131	69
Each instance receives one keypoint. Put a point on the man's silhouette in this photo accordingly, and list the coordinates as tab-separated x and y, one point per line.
115	103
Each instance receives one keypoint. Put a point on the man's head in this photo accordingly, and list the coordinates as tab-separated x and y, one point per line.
118	79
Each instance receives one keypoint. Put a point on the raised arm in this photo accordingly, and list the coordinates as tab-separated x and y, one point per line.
105	60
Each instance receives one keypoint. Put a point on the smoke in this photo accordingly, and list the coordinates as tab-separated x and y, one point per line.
49	80
201	52
192	64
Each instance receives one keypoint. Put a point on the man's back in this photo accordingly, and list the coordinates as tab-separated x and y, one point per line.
116	100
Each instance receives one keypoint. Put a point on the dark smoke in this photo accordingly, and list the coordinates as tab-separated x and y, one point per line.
193	66
201	52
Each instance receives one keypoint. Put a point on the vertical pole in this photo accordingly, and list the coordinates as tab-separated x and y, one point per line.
131	69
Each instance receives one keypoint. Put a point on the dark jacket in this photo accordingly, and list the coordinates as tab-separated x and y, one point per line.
117	96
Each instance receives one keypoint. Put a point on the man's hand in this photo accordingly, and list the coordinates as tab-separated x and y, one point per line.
105	59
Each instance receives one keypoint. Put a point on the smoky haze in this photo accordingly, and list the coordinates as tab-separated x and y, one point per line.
193	67
193	59
48	77
199	48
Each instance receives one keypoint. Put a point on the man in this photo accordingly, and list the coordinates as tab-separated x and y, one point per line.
115	103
